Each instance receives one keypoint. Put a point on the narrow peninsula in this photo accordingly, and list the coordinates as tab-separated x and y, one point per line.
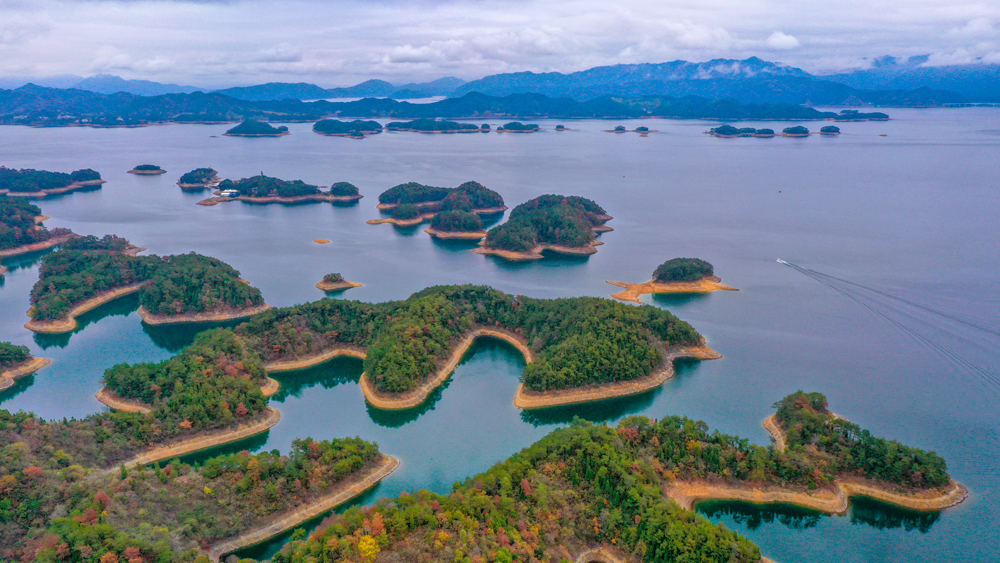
677	275
562	224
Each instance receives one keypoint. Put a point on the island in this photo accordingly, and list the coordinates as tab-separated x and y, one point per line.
561	127
797	131
147	170
254	128
336	282
855	115
764	133
266	189
643	131
413	203
425	125
173	289
485	128
39	184
199	179
22	231
17	362
561	224
677	275
829	130
356	129
517	127
730	132
456	224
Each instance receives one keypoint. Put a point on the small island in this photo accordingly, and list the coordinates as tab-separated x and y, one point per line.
854	115
829	130
456	224
518	127
254	128
356	129
643	131
485	128
336	282
37	184
677	275
425	125
17	362
561	127
147	170
413	203
265	189
561	224
730	132
797	131
22	231
764	133
199	179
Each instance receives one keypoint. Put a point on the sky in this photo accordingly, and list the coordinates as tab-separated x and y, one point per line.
217	43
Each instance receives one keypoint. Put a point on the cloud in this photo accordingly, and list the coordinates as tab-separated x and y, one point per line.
780	41
280	53
977	28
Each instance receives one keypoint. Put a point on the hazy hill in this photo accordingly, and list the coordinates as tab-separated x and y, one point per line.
110	84
275	91
977	82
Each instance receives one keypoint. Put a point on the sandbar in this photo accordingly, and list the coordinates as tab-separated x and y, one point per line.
337	286
528	399
322	241
203	317
466	235
634	290
13	372
68	324
342	492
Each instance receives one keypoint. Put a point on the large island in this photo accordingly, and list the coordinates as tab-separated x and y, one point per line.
254	128
677	275
412	203
356	129
265	189
41	183
561	224
432	126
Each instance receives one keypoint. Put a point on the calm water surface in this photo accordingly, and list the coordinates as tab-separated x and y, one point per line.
912	214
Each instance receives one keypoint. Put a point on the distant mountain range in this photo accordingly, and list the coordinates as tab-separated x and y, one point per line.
110	84
977	82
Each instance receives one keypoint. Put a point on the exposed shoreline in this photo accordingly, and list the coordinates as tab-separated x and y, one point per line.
341	493
10	374
205	317
68	324
536	252
320	197
315	360
72	187
336	286
114	401
212	182
36	246
528	399
147	172
458	235
634	290
403	222
414	397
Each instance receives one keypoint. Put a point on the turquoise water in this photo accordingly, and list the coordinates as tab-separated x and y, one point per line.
912	214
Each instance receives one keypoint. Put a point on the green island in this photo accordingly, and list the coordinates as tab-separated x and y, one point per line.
22	231
561	127
266	189
177	289
413	203
730	132
855	115
356	129
42	183
593	485
677	275
517	127
456	224
254	128
147	170
17	362
797	131
432	126
829	130
335	282
199	179
562	224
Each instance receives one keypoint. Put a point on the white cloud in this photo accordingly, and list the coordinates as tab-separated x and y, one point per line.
781	41
977	28
280	53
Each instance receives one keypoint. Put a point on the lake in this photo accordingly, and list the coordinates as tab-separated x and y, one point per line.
896	322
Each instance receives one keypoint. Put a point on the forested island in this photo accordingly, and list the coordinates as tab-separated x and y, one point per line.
147	170
829	130
730	132
356	129
456	224
563	224
182	288
199	179
335	282
413	203
517	127
17	362
432	126
855	115
254	128
22	231
42	183
797	131
677	275
266	189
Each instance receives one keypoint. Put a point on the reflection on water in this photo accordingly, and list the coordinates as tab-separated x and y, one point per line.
28	260
20	386
252	444
754	515
671	300
120	307
342	369
174	337
884	516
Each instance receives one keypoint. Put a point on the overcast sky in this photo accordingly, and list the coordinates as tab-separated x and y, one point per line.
341	42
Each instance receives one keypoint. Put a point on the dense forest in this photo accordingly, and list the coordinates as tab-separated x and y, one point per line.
266	186
683	270
518	126
343	189
11	354
457	220
412	199
197	176
252	127
17	223
425	125
349	128
548	219
147	168
28	180
798	130
177	284
830	130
